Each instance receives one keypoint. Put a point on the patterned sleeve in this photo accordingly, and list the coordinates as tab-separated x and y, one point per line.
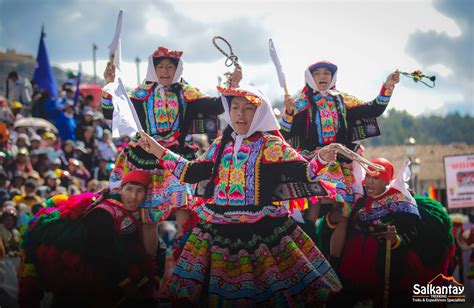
107	106
357	109
288	121
190	171
290	162
200	103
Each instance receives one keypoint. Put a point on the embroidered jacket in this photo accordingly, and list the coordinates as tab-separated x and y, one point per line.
393	208
265	169
182	110
339	117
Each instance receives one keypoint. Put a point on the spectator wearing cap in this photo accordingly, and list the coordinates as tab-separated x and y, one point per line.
29	197
8	232
49	139
55	164
19	89
34	159
99	124
51	180
51	184
106	147
35	142
90	141
76	169
23	141
68	93
67	152
83	154
17	108
22	161
86	120
101	172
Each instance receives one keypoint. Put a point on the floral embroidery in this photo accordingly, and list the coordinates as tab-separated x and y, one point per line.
352	102
327	121
169	160
191	94
273	153
141	93
237	176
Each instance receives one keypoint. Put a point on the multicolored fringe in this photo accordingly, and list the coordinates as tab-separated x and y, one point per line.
269	262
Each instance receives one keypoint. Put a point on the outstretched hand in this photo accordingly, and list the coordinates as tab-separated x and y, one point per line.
328	154
289	104
150	145
392	79
109	73
235	78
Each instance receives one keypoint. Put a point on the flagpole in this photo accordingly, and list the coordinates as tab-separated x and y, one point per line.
137	62
94	61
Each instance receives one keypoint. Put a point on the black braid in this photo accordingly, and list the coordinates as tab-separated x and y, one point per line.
226	137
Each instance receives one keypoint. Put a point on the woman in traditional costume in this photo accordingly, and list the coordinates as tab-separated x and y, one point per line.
246	251
168	109
321	115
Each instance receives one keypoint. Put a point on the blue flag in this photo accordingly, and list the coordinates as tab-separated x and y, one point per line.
43	75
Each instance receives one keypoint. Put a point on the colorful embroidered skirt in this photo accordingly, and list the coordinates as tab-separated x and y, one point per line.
165	192
270	262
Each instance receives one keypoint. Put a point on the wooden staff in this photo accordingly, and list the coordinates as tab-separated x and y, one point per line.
386	291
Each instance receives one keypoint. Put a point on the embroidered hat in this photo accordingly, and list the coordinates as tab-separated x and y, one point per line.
137	176
252	98
323	64
163	52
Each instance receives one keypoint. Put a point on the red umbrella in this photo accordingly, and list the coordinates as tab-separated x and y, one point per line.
92	89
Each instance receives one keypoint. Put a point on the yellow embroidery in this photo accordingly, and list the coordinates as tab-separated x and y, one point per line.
273	153
352	101
191	94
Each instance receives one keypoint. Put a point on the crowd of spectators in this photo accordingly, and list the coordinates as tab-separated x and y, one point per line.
73	154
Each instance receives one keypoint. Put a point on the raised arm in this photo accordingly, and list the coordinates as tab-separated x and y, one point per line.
303	171
186	171
107	106
357	109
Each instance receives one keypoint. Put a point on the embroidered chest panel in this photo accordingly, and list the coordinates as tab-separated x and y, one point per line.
162	112
238	175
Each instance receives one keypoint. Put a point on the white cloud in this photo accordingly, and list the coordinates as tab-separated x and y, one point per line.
366	39
156	24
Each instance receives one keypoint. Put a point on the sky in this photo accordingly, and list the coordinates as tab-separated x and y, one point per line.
366	39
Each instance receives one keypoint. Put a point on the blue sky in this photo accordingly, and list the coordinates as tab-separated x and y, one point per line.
367	39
